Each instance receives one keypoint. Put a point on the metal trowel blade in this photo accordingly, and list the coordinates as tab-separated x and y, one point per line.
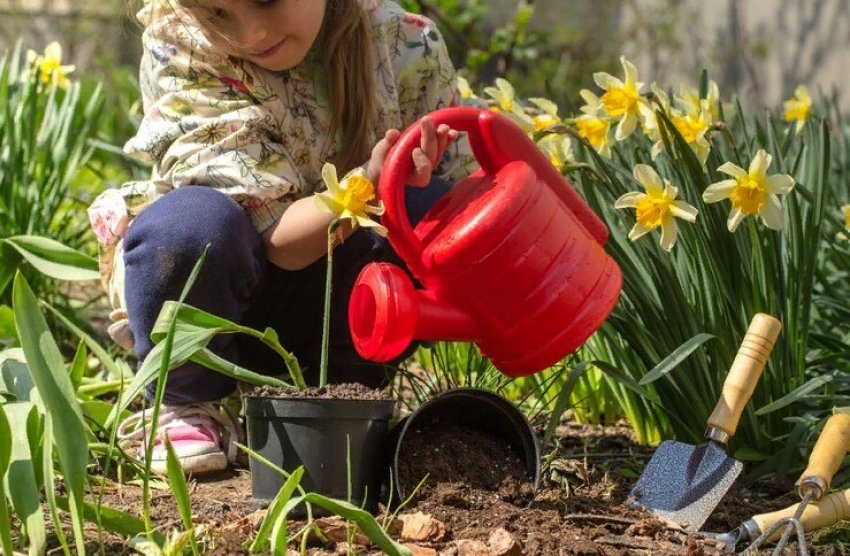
684	483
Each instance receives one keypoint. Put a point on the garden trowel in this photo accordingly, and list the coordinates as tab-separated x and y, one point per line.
683	483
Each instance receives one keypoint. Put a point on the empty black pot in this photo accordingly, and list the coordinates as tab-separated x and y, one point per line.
477	409
315	433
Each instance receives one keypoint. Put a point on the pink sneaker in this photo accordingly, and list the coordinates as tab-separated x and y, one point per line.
202	436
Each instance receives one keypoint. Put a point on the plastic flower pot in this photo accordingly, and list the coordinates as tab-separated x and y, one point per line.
317	433
476	409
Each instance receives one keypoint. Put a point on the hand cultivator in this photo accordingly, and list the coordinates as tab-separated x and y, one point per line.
824	462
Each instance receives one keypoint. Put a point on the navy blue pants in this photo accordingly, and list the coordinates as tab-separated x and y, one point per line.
238	283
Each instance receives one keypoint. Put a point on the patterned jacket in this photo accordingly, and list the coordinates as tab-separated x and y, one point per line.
210	119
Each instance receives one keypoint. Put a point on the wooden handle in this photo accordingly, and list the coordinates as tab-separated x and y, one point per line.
827	455
745	372
828	511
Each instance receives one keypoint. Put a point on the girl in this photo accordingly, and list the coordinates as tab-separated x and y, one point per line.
244	101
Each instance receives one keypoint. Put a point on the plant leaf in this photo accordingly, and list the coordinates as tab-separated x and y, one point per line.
54	259
177	481
796	395
5	459
676	356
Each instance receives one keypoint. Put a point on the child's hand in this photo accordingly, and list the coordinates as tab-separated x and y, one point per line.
431	149
379	154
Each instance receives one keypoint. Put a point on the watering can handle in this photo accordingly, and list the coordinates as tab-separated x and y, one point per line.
496	141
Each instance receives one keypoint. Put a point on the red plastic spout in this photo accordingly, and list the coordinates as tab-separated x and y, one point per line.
387	313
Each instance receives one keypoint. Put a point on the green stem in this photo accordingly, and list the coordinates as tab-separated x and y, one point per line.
323	368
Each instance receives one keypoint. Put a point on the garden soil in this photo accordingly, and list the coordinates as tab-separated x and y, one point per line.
477	491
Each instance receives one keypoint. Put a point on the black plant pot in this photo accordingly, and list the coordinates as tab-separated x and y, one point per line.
317	433
477	409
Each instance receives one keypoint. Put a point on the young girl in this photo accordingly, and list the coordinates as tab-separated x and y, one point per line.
244	101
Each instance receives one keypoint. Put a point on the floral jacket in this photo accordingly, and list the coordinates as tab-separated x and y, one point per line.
257	135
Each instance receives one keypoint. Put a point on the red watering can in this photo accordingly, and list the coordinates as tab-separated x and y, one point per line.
510	258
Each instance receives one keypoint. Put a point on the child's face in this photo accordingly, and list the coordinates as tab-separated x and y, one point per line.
274	34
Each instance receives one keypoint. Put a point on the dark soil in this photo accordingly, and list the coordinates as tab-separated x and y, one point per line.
474	488
348	391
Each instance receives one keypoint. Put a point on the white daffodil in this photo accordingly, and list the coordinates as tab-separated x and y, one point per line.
503	93
752	192
690	101
349	199
464	89
657	207
622	100
592	104
693	129
49	65
558	148
661	101
798	108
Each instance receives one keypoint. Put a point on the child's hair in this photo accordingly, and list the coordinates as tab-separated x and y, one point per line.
346	51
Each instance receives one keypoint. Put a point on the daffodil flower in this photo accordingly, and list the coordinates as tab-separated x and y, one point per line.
464	89
49	65
846	210
349	198
592	104
692	104
622	100
558	148
650	122
657	207
693	129
751	192
597	132
503	93
798	108
548	116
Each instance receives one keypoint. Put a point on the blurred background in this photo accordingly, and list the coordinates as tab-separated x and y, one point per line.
759	49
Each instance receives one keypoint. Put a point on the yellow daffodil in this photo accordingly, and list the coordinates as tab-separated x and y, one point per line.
548	116
464	89
846	210
558	148
798	108
622	100
692	104
349	198
597	131
657	207
692	128
752	192
503	94
49	65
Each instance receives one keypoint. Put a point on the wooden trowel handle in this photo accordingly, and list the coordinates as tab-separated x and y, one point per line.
745	372
827	455
828	511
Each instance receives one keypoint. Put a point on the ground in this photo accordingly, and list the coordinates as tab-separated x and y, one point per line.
580	508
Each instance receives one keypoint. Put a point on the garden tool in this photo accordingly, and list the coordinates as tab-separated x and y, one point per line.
511	258
825	460
683	483
828	511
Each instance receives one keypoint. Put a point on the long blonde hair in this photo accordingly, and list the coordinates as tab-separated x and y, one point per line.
347	56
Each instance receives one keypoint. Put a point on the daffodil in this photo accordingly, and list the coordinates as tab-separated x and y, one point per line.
690	101
548	113
349	198
798	108
592	104
622	100
503	93
49	65
558	148
751	192
650	123
657	207
464	89
597	131
846	210
693	129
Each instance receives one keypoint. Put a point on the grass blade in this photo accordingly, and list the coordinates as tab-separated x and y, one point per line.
177	480
5	459
676	356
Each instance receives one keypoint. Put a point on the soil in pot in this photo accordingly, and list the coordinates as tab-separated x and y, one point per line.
460	459
347	391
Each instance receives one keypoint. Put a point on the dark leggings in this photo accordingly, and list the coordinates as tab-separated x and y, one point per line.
239	284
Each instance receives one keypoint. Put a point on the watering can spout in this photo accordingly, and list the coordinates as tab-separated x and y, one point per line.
390	313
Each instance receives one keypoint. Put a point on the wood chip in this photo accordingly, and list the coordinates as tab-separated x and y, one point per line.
337	529
422	527
503	543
